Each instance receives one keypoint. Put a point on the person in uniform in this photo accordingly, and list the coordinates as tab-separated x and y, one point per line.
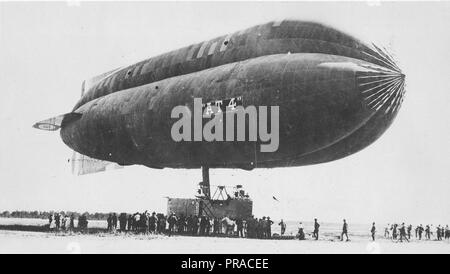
50	220
283	227
427	232
72	223
203	225
344	231
152	223
438	232
123	222
420	231
386	232
409	231
57	221
403	233
240	227
373	231
130	222
114	222
109	222
268	229
394	232
172	221
316	229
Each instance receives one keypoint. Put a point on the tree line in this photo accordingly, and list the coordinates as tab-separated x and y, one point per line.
45	214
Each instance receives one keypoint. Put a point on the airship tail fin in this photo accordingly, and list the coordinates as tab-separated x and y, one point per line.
89	83
57	122
82	164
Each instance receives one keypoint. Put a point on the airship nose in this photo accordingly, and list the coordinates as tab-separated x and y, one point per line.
382	84
382	91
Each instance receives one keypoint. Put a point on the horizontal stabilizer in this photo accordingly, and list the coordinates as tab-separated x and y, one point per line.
82	164
55	123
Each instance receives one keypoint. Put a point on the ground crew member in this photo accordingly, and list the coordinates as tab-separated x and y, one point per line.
344	231
283	227
316	229
372	231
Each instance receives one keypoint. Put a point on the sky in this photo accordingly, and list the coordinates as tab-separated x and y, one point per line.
48	49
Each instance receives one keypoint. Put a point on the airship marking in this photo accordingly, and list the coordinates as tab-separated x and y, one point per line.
202	49
212	48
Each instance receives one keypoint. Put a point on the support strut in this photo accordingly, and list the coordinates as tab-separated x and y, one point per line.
205	183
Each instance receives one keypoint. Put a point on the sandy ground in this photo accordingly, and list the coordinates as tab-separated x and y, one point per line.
38	242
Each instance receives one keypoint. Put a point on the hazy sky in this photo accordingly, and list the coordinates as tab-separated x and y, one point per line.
48	49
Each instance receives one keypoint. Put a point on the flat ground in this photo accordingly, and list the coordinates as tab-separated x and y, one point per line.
41	242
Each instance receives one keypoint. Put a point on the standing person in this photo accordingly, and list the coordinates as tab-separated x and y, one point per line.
386	232
263	227
72	222
269	224
83	223
144	222
427	232
50	220
161	228
130	222
66	222
409	231
122	222
249	227
136	221
344	231
57	221
259	229
114	222
403	233
152	223
181	224
63	223
316	229
394	232
373	231
438	232
420	231
109	222
447	232
240	227
172	221
283	227
86	223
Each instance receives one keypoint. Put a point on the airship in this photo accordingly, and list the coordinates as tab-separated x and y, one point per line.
335	94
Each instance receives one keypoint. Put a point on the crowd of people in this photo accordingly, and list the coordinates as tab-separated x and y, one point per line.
403	232
64	222
394	232
257	228
189	225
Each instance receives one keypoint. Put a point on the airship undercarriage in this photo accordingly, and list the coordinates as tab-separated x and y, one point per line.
218	205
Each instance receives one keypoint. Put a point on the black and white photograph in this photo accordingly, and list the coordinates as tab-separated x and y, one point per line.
224	127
